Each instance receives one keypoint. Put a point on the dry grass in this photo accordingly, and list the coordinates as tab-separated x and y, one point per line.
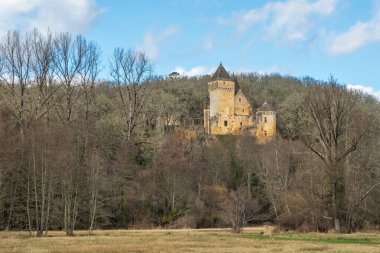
188	240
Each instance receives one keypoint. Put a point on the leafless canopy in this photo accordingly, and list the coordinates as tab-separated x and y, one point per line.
131	70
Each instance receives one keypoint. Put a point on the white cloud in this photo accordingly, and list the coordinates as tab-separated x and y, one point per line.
152	41
208	44
272	69
59	16
357	36
365	89
195	71
289	20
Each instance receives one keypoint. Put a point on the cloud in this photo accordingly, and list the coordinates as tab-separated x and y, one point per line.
272	69
152	41
59	16
357	36
290	20
195	71
365	89
208	44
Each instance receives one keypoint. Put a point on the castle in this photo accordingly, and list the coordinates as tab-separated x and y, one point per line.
230	113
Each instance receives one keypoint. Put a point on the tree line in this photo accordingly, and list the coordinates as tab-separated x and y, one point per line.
81	152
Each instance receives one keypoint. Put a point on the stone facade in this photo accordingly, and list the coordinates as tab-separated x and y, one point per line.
230	112
265	123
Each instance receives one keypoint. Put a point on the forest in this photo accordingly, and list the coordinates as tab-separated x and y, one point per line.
80	151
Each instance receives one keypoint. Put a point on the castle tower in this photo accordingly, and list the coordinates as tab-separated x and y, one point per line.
222	92
229	110
265	123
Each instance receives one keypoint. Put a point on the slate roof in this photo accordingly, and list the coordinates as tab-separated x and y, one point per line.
221	74
265	107
237	86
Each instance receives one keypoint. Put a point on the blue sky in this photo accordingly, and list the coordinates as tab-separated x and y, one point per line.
291	37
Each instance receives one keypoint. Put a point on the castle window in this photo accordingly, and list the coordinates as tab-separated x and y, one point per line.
265	119
239	100
241	123
225	123
243	110
265	133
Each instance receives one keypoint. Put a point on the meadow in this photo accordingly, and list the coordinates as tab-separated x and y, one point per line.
188	240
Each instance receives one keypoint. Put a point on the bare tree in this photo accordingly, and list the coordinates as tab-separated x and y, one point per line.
15	72
277	168
240	209
68	58
131	71
362	175
89	74
68	61
70	194
88	79
332	128
43	70
94	186
42	181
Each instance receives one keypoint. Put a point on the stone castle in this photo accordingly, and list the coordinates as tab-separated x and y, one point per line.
230	113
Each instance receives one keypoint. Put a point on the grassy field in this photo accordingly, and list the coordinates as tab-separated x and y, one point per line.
187	240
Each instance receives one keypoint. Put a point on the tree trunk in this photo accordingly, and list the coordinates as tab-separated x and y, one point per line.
27	205
13	192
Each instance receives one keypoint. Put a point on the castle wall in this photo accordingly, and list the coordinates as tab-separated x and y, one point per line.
221	106
242	105
266	126
206	120
229	112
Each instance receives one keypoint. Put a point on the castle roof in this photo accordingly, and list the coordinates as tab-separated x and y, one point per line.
221	74
265	108
237	86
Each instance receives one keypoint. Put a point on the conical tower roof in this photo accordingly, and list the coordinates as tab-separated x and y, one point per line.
265	108
237	86
221	74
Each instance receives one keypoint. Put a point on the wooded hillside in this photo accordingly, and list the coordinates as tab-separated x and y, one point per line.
78	152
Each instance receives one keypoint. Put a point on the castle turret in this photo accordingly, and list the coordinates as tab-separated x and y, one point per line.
265	123
222	94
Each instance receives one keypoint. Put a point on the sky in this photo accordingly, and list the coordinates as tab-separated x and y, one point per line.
316	38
